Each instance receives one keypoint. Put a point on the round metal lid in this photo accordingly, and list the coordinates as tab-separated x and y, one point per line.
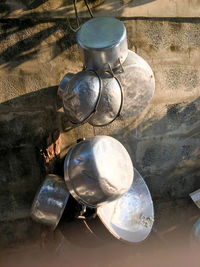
130	217
101	33
97	170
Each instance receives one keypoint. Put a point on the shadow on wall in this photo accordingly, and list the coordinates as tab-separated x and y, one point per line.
167	151
33	28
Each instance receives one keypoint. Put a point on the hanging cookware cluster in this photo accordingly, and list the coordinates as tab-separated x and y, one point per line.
98	171
114	81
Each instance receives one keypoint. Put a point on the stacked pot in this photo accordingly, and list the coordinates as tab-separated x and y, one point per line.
115	81
98	172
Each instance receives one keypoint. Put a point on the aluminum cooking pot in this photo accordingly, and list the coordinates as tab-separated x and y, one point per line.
138	84
103	42
89	96
50	201
98	170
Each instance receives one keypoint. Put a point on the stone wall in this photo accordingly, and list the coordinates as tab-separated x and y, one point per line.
36	50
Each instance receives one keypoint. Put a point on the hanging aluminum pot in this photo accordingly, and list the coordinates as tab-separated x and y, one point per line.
50	201
81	95
98	170
103	43
137	80
89	96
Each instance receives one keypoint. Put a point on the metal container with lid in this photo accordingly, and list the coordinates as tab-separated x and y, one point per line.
98	170
50	201
103	42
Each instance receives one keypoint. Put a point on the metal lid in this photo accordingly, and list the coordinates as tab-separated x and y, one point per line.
97	170
50	201
101	33
138	85
103	41
130	217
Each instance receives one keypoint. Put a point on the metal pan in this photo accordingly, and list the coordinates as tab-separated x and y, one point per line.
130	217
50	201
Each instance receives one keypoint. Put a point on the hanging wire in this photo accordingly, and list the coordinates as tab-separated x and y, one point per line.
78	22
89	9
76	13
71	28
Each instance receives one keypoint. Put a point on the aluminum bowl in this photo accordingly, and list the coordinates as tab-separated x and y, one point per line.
81	96
89	96
138	85
50	201
103	41
98	170
110	103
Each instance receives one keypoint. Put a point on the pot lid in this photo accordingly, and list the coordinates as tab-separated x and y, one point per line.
130	217
101	33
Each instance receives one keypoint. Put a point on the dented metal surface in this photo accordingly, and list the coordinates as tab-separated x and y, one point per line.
138	84
130	218
50	201
81	95
97	170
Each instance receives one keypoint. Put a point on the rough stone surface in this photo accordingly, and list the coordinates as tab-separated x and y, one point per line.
119	8
35	134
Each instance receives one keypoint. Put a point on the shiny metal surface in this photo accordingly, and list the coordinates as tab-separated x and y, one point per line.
63	83
138	85
196	231
81	95
97	170
110	101
50	201
103	41
130	218
195	196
